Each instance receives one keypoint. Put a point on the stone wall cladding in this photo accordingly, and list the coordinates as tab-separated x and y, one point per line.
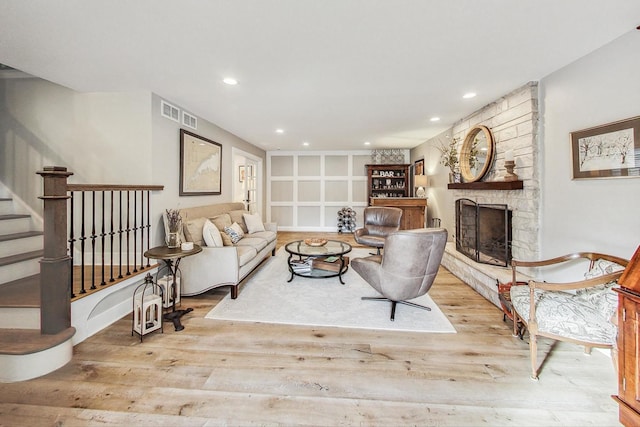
513	120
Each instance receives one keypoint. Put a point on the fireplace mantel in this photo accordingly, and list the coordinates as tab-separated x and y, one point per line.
487	185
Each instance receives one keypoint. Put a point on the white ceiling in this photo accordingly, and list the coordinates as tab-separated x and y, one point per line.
333	73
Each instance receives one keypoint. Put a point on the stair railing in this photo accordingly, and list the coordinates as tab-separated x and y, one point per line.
108	238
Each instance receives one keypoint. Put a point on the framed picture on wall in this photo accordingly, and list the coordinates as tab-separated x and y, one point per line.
200	165
607	151
418	167
242	172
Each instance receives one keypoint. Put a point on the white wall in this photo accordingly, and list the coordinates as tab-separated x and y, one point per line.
440	201
589	215
165	160
100	137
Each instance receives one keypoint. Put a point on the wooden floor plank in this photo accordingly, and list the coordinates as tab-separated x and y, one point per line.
243	373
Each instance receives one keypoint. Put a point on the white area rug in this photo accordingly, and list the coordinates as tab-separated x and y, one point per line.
267	297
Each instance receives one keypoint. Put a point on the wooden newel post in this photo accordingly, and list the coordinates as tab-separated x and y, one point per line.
55	305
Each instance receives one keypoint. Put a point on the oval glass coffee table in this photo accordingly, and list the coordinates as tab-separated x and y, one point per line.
318	262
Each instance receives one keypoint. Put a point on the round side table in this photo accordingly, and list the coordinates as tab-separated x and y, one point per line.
171	257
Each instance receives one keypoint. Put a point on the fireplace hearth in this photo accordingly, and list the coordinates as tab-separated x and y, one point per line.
483	232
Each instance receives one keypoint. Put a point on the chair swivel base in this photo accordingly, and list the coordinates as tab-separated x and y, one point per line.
394	303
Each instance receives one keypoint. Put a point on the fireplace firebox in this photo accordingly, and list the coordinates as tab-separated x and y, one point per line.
483	232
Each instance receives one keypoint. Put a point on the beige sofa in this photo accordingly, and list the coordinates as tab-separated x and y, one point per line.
226	265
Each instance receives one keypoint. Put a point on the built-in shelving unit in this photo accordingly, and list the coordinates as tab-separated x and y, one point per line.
489	185
388	180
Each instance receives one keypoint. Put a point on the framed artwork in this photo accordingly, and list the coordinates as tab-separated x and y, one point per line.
200	165
242	173
418	167
607	151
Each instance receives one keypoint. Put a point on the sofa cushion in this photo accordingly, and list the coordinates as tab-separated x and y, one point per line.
235	232
564	314
246	254
211	235
238	216
253	222
269	236
255	242
193	230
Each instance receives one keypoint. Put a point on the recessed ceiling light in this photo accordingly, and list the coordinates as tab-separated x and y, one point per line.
306	144
469	95
367	143
279	130
230	81
434	119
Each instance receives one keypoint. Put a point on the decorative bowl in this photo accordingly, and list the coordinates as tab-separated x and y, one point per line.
315	242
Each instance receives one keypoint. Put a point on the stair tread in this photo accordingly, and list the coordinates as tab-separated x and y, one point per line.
16	236
21	293
12	259
14	216
5	199
27	341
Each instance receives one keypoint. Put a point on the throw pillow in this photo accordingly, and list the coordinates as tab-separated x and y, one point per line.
223	221
193	230
234	232
211	235
236	216
253	223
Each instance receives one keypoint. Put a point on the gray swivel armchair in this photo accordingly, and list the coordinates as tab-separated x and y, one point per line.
408	267
379	221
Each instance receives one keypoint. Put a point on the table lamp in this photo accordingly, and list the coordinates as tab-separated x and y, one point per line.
420	182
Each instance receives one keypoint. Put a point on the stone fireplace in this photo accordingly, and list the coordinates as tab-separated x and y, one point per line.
513	121
483	232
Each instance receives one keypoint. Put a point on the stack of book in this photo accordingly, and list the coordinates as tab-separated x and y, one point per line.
331	263
300	265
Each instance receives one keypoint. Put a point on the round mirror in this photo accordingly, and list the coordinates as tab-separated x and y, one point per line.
476	154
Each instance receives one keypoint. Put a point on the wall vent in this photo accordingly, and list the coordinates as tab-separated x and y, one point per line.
189	120
169	111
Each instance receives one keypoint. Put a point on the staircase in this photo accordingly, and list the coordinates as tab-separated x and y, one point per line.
24	352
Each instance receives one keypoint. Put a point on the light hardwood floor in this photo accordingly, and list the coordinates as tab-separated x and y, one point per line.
235	373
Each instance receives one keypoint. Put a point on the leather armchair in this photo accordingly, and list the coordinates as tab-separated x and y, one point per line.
408	267
378	223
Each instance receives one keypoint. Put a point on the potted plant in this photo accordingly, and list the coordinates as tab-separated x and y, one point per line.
449	158
174	221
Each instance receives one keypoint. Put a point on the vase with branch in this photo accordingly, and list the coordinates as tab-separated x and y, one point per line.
174	221
449	158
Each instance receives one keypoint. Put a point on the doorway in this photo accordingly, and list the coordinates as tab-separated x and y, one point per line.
247	182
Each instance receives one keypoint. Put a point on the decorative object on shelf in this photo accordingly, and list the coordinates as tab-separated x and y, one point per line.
200	165
314	241
476	154
509	165
388	180
174	221
346	220
420	181
607	151
387	156
449	158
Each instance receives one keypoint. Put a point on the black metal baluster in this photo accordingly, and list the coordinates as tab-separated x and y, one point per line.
120	235
141	229
128	231
135	230
71	244
83	238
148	223
93	240
111	234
